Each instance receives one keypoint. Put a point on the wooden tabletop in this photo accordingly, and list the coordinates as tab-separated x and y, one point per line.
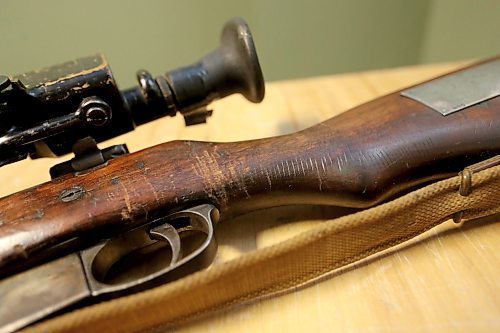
444	280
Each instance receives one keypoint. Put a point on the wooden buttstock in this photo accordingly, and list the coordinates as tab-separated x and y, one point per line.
356	159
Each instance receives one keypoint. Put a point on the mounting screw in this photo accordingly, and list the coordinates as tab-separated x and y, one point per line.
72	194
95	112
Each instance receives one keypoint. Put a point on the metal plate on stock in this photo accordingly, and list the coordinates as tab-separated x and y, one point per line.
460	90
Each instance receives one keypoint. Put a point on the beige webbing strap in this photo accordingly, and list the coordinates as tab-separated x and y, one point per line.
288	264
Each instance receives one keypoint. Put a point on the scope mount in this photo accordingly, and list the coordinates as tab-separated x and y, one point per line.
73	106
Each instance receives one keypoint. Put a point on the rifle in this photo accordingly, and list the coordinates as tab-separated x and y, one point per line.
347	161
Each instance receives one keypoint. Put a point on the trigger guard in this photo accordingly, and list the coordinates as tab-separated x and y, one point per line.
203	218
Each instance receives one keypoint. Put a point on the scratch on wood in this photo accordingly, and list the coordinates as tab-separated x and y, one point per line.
253	176
320	185
330	159
39	213
268	179
157	200
125	214
215	181
209	170
238	179
319	176
361	157
279	171
127	198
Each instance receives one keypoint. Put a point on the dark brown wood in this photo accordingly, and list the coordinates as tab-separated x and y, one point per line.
356	159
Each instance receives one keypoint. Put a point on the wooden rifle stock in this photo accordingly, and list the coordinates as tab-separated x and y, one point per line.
357	159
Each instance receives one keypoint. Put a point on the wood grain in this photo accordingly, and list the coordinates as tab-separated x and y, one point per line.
348	161
444	280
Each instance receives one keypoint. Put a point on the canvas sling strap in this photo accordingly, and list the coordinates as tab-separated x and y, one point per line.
295	262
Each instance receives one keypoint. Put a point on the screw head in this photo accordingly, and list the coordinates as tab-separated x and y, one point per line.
95	112
96	116
72	194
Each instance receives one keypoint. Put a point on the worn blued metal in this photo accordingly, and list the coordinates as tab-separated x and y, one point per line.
69	108
202	219
79	277
232	68
349	160
39	110
43	108
88	156
29	296
460	90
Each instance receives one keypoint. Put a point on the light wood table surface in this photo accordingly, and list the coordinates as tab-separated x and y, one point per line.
445	280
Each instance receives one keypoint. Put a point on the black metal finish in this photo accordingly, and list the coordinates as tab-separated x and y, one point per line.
4	82
43	113
233	68
87	156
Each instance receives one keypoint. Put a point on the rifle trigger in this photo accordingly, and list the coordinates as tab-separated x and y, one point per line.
169	233
189	233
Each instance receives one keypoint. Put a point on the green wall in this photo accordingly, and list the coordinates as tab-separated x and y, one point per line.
294	38
461	29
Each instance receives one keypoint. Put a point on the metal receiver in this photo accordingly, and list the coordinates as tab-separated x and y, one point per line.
47	112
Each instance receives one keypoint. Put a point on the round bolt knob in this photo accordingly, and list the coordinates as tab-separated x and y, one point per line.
95	112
